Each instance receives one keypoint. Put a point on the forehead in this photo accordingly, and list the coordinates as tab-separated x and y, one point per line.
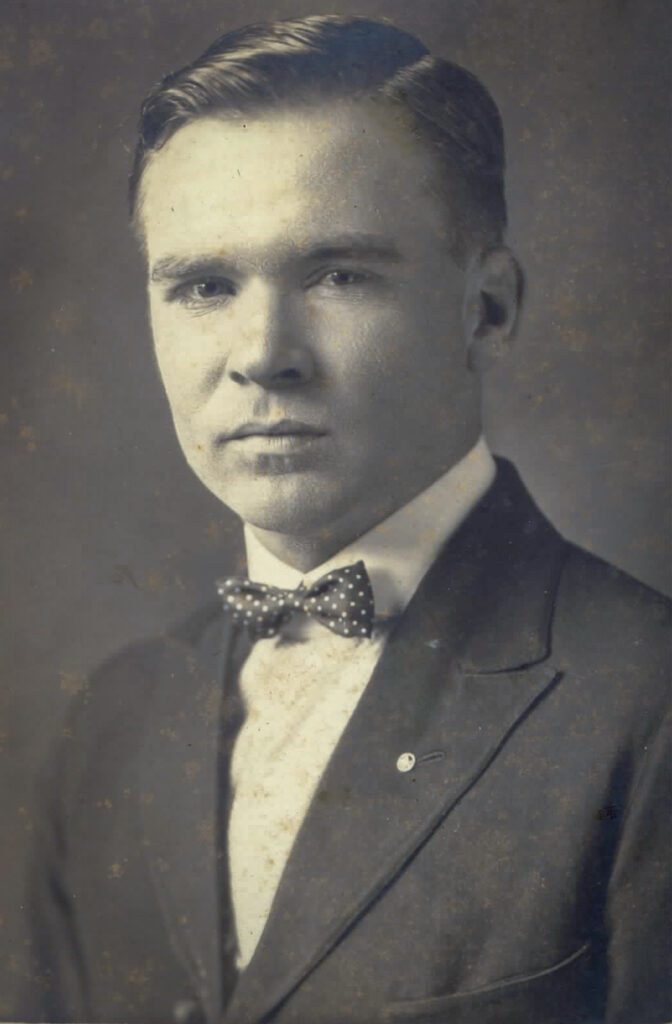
287	178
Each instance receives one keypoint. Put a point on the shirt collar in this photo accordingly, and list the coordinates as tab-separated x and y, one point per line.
399	550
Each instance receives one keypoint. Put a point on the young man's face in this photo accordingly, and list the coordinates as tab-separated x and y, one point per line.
307	315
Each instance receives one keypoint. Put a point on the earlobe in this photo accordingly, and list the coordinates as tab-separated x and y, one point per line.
492	302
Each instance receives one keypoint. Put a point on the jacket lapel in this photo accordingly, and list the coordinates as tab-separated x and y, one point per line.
466	662
192	721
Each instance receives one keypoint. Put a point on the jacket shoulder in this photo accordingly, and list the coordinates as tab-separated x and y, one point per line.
612	599
613	632
115	711
120	689
134	662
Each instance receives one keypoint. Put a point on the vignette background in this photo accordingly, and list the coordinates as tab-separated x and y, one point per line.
106	536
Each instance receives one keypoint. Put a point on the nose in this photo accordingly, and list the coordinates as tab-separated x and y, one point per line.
269	347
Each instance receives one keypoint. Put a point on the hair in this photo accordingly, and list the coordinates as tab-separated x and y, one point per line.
322	58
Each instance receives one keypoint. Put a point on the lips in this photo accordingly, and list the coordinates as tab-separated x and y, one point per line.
279	428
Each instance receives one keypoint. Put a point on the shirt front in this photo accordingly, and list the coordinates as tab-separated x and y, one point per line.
300	687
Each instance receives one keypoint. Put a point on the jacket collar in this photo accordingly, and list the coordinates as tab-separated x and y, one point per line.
465	663
496	580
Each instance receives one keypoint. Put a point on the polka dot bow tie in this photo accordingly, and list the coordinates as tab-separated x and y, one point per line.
342	600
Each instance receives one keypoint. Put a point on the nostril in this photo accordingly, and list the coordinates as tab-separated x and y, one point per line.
291	373
237	378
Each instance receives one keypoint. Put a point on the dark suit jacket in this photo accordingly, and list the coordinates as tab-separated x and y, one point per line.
516	874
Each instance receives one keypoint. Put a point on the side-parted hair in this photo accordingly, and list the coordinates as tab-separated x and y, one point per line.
307	61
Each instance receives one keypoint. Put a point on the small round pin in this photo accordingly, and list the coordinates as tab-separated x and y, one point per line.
406	762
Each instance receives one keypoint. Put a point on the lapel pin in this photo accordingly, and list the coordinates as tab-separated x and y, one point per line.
406	762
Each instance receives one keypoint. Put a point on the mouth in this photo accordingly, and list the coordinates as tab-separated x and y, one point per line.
279	429
282	436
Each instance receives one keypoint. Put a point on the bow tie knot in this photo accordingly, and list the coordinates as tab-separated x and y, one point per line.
342	600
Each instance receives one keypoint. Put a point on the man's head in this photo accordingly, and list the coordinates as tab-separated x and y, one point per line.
321	204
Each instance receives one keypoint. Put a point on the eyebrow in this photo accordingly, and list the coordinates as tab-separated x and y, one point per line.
174	268
352	247
355	247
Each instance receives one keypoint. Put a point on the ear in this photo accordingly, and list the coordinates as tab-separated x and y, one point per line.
492	300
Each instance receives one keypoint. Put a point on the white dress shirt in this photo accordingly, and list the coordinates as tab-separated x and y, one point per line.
300	687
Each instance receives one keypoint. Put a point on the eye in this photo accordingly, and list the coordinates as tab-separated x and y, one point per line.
206	291
211	288
343	278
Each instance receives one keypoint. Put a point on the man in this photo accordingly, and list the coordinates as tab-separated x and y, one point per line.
412	768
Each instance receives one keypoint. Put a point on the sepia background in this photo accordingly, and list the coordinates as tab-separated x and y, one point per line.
105	535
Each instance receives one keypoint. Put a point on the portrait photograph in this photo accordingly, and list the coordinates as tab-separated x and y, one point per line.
335	408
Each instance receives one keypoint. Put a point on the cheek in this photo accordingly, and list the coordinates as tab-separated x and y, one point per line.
402	375
357	342
175	384
181	354
375	353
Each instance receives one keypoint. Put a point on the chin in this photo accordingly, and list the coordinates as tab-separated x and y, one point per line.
294	506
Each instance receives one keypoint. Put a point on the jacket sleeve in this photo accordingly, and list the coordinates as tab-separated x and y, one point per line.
639	903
